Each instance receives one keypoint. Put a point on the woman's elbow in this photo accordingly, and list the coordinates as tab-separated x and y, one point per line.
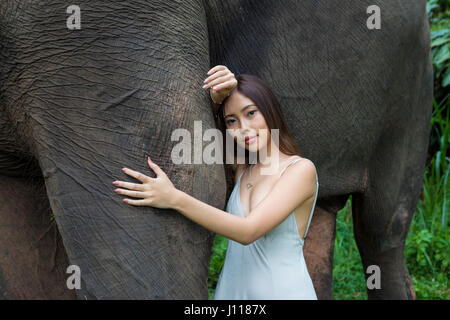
250	235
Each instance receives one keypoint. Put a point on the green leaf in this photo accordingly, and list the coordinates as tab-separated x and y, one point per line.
439	33
431	5
439	41
441	55
446	78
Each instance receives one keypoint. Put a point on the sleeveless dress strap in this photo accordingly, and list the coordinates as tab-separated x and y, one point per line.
291	163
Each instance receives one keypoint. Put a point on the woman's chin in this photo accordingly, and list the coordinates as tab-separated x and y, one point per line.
253	147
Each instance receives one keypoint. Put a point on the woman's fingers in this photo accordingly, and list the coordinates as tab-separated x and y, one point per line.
134	194
218	74
129	185
158	171
216	68
228	84
143	202
215	76
222	80
137	175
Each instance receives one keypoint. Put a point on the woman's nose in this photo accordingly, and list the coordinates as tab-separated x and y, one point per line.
245	125
246	130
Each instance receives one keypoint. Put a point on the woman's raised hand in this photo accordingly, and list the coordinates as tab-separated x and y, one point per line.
155	192
220	81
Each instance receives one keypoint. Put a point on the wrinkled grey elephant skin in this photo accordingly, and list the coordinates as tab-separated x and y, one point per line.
78	105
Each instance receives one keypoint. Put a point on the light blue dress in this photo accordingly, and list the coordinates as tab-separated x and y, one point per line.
272	267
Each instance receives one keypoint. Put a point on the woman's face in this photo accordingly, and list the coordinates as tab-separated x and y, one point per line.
246	123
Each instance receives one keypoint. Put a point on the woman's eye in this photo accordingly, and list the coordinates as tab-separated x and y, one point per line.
251	112
230	121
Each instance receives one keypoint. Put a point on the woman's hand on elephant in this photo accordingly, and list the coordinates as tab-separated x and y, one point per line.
155	192
220	81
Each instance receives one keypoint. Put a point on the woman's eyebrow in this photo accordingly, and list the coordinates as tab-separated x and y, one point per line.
242	110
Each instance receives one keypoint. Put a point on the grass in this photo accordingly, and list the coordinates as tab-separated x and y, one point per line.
348	273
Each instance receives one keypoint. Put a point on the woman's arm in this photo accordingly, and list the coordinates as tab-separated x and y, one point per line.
221	222
295	186
228	225
288	193
159	192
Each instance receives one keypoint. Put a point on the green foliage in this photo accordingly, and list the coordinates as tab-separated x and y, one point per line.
348	273
431	289
439	17
219	250
427	245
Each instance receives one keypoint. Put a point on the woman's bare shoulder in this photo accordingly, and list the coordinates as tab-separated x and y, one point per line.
297	158
303	167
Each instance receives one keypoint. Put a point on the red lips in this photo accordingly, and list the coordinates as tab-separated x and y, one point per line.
250	139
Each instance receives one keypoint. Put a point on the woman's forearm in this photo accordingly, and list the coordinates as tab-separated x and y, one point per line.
216	220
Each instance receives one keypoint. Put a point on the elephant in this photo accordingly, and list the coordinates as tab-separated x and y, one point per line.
77	105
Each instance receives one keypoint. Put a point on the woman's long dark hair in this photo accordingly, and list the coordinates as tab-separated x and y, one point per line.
255	89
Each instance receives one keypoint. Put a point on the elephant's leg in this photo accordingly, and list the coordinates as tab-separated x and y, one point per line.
32	257
319	245
113	93
383	213
318	251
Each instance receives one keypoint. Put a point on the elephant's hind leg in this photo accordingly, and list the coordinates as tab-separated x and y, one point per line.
319	245
382	215
33	260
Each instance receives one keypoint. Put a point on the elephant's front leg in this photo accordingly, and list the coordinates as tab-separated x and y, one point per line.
112	93
33	260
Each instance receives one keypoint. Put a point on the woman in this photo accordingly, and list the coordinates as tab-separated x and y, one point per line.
266	213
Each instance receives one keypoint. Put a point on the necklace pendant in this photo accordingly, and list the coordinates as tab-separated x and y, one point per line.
249	185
